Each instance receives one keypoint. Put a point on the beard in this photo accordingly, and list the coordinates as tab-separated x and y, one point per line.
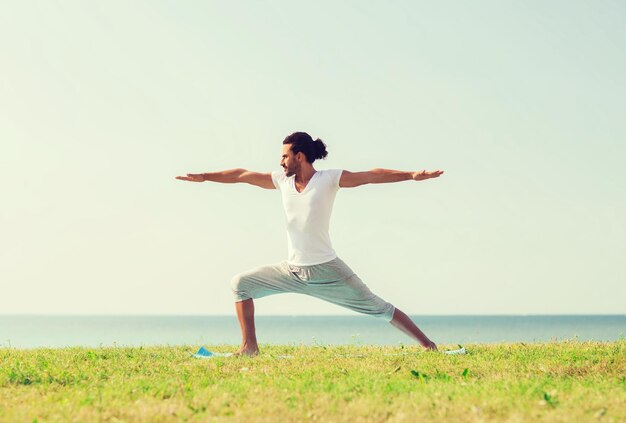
290	171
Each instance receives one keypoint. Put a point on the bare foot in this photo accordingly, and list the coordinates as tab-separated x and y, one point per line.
247	351
430	345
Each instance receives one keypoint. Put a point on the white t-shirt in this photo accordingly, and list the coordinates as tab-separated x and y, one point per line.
308	215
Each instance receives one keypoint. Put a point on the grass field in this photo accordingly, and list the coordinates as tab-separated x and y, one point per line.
561	381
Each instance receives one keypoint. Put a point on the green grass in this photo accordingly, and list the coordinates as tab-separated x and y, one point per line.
561	381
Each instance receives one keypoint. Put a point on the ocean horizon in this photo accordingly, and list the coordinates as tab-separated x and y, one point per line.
59	331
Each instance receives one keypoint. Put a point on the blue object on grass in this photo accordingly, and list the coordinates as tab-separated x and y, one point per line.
204	353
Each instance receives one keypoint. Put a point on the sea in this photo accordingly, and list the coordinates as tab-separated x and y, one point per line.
42	331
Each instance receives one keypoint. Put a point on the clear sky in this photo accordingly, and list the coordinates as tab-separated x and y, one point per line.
522	104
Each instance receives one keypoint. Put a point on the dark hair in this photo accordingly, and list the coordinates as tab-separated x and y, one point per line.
302	142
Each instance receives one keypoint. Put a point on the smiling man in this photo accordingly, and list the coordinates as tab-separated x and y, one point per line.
312	267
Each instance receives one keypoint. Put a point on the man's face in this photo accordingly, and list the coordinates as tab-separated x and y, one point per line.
289	161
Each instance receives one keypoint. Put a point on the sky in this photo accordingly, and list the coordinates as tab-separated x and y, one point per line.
522	104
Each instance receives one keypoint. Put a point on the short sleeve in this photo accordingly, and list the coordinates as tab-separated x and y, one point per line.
335	176
277	177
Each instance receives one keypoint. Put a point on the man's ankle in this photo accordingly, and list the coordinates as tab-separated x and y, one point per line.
250	345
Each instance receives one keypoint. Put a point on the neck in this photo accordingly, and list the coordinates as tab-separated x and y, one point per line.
305	174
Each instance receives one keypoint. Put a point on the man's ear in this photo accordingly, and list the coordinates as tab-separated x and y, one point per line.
300	156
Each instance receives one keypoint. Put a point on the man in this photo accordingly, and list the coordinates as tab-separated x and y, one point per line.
313	267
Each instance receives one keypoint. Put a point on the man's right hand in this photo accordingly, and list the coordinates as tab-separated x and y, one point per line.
420	176
193	177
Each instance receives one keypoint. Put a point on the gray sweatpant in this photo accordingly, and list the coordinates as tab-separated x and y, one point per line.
332	281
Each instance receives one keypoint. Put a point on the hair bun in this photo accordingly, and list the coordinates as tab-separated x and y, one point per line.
320	149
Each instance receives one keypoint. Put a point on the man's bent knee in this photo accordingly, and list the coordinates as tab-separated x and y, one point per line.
238	286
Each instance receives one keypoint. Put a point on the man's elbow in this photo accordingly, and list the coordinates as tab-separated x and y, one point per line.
367	177
241	175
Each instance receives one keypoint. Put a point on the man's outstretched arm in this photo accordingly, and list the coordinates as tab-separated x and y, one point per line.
263	180
380	176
